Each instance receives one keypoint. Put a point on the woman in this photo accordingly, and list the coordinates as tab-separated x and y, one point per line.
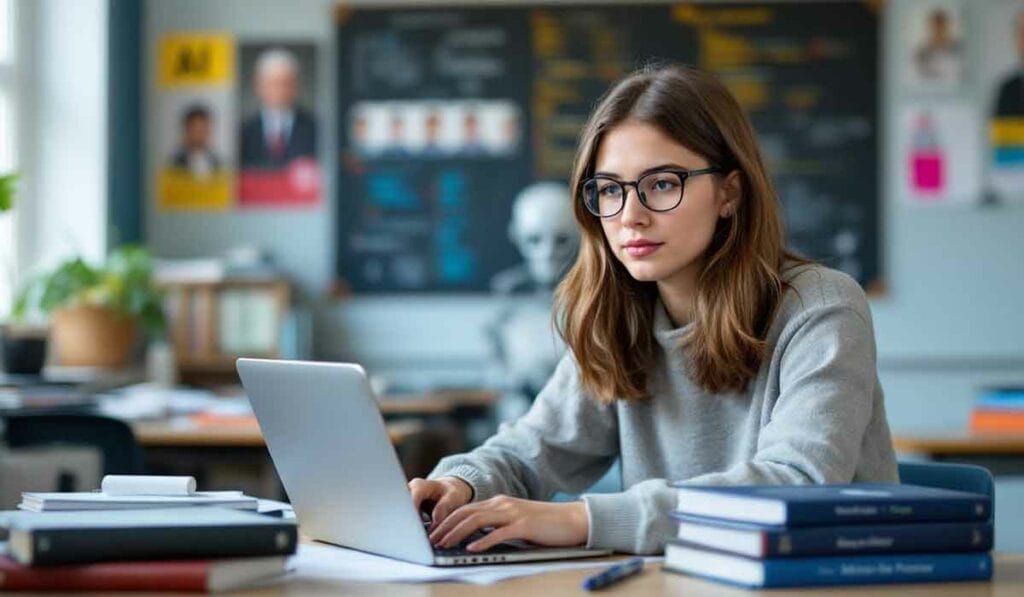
701	351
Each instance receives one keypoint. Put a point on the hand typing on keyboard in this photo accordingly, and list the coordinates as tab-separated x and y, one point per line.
482	525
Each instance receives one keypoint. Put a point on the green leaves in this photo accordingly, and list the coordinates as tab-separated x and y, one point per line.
7	191
124	284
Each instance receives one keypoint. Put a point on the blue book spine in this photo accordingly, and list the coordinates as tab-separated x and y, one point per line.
855	570
891	538
877	511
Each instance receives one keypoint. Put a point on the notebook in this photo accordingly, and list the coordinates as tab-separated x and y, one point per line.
173	533
95	500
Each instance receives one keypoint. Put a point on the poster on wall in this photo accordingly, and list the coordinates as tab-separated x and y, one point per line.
941	149
1006	119
278	131
935	46
426	129
195	111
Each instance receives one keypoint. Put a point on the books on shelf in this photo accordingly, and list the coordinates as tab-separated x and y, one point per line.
189	270
999	410
175	533
202	576
783	536
94	500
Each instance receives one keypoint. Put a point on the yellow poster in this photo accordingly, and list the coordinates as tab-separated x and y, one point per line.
196	118
179	188
196	59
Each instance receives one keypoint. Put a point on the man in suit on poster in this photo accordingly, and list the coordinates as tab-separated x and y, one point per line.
281	130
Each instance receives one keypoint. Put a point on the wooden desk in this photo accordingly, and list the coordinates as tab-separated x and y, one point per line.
181	433
226	451
442	402
965	444
1008	581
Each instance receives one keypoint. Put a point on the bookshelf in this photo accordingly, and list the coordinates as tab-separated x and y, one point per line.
212	323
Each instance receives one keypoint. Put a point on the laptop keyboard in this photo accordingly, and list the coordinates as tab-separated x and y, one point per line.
460	549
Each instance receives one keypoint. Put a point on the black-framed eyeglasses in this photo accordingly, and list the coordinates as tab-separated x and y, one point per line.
660	190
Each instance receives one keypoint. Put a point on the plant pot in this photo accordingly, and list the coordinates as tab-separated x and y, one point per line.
88	336
23	348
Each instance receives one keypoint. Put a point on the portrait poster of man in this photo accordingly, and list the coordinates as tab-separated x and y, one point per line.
278	135
937	49
196	120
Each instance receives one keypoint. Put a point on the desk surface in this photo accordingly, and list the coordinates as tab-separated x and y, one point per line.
1008	580
441	402
183	433
962	444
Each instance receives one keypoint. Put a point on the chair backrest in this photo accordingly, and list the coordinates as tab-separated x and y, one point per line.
122	454
945	475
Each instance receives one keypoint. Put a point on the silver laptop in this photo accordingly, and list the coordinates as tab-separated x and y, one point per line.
331	449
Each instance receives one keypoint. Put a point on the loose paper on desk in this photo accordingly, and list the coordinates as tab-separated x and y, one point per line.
148	485
321	562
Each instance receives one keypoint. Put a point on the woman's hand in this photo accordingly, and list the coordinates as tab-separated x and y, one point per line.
543	523
446	494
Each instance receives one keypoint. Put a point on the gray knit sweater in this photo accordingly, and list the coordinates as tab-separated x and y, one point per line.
813	414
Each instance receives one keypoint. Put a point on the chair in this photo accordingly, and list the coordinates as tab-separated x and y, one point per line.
944	475
960	477
122	454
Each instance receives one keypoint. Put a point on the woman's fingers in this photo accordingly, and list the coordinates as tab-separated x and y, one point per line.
511	531
471	524
422	491
450	521
445	506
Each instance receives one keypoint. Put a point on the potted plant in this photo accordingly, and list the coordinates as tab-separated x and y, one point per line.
22	344
96	312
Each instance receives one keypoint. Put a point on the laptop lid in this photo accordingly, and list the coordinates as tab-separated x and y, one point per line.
330	446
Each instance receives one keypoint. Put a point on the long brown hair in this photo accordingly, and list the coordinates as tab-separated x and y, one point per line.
606	316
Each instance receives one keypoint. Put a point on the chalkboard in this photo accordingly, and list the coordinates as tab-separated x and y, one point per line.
445	114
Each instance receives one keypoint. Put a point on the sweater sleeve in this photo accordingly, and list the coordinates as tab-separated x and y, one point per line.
827	378
565	442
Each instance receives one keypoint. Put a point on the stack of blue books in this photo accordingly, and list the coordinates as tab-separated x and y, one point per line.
817	535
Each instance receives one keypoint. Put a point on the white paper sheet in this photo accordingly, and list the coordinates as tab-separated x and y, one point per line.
320	562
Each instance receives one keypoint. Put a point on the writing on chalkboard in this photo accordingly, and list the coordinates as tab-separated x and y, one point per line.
451	112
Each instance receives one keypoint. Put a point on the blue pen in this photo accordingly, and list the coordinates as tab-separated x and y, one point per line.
613	574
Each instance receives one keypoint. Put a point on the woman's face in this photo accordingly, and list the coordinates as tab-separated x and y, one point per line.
661	246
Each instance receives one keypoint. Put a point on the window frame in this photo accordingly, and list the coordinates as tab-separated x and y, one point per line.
9	106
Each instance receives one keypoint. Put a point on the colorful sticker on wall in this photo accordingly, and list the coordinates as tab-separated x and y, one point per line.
1006	136
1006	118
278	134
940	146
196	122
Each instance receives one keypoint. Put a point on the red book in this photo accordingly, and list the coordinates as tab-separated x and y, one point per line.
205	576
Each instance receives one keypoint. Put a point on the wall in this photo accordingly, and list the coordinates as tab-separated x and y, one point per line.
949	322
364	329
945	325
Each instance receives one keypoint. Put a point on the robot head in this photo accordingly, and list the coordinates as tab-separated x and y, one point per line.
544	230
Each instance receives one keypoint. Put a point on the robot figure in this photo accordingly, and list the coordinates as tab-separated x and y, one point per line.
525	345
